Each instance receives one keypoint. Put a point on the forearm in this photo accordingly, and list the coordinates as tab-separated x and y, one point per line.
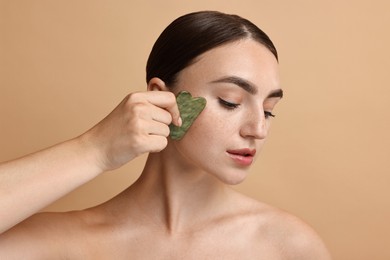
139	124
30	183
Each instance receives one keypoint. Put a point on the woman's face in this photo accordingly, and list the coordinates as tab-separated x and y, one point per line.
240	82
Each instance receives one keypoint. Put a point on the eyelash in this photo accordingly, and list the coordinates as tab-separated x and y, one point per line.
268	114
228	105
232	106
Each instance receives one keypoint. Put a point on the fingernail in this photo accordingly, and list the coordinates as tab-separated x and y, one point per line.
180	122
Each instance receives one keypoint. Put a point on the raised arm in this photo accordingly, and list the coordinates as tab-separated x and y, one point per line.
139	124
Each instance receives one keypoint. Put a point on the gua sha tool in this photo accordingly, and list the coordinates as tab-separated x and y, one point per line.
190	108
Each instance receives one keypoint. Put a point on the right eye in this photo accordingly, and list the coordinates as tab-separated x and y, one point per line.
228	105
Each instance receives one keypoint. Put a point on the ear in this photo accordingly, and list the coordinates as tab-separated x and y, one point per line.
156	84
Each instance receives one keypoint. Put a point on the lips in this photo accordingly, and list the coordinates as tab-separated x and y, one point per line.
242	157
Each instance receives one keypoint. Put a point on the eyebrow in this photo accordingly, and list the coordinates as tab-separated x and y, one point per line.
247	86
244	84
276	94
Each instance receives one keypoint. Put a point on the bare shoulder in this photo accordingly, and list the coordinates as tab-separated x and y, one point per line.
288	235
42	236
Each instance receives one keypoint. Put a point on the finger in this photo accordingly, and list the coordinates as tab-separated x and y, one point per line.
166	100
160	115
156	143
157	128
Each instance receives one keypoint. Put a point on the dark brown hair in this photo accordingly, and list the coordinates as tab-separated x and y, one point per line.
192	34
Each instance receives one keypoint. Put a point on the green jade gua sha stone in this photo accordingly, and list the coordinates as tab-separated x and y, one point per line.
190	109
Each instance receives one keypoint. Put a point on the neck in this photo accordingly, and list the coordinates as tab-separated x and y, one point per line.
173	194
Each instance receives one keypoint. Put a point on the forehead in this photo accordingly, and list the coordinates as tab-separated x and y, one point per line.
246	59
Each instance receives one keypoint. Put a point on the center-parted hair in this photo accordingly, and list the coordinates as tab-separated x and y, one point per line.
193	34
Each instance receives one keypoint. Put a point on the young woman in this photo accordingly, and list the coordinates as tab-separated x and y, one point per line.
181	207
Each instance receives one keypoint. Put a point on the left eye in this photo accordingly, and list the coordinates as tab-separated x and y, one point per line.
228	105
268	114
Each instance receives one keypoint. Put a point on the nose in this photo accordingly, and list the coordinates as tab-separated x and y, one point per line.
255	126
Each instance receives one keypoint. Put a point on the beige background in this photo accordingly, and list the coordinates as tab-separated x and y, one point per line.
66	64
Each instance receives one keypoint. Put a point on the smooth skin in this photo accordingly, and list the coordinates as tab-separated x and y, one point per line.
139	124
182	206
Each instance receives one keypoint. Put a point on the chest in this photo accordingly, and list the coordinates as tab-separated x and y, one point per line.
159	245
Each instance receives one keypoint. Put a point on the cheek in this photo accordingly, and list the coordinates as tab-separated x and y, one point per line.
200	132
211	134
209	126
208	130
202	144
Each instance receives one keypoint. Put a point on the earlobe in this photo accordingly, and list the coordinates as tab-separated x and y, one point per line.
156	84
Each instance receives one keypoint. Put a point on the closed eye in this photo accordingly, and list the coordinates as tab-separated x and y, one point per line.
230	106
268	114
227	104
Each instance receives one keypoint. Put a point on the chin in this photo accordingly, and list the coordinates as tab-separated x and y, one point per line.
233	178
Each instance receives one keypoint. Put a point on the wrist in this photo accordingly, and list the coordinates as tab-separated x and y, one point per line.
91	152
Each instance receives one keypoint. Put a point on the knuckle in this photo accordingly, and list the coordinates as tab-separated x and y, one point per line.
137	109
171	96
162	143
134	97
166	118
166	131
138	144
159	144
